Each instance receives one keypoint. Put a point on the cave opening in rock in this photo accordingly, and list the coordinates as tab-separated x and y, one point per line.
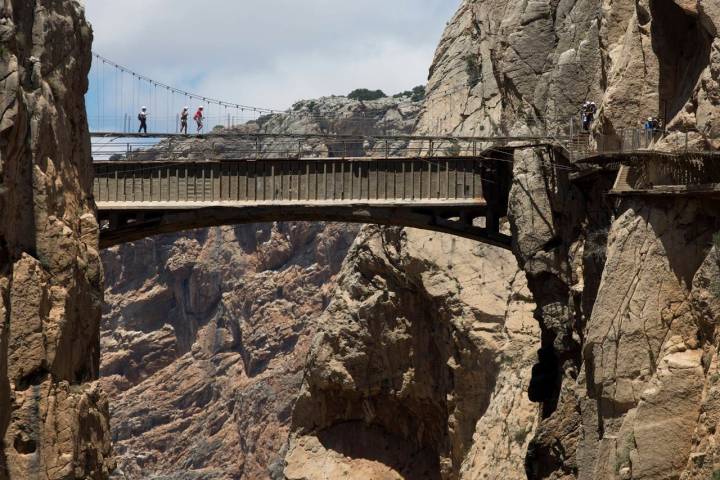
682	46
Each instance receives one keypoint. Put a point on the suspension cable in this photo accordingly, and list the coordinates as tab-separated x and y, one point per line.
195	96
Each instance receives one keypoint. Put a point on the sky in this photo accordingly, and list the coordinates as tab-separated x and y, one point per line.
271	53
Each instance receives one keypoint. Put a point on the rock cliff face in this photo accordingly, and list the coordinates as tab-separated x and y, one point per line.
626	373
53	419
204	341
427	356
504	68
205	334
421	365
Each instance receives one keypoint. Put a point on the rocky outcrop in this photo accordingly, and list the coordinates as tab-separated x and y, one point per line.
204	341
53	419
625	369
206	333
323	116
504	68
421	364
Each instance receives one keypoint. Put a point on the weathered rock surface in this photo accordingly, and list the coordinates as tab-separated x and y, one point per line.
626	371
53	419
421	364
204	342
509	68
323	116
205	334
424	363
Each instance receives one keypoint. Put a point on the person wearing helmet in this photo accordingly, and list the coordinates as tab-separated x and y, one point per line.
184	120
589	115
199	117
142	118
649	130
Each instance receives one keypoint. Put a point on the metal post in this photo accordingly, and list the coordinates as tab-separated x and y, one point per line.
387	148
257	148
431	153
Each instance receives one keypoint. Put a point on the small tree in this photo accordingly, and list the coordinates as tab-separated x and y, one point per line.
418	93
363	94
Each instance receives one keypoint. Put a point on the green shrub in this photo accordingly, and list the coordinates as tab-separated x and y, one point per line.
363	94
417	94
716	475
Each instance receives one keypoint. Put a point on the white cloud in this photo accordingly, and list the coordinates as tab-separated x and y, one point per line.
273	52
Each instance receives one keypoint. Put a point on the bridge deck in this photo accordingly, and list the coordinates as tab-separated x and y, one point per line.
293	180
137	199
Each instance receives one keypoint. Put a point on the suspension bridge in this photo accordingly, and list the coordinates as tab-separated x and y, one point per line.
165	181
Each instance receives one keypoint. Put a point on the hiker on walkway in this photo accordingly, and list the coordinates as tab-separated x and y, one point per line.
199	117
184	120
649	128
142	117
589	111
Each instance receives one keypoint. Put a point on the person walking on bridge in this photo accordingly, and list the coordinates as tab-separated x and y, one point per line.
199	117
184	120
142	117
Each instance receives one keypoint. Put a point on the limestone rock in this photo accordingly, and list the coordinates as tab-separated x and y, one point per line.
53	420
628	326
204	343
423	354
206	333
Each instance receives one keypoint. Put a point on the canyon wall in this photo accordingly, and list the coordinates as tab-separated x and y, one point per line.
205	334
53	418
204	341
419	356
624	291
421	364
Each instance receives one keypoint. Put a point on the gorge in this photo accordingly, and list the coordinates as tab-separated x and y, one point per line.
305	351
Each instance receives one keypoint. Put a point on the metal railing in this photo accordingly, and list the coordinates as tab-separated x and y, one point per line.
269	146
577	143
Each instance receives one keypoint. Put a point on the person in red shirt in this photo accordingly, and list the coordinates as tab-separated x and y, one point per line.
199	117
